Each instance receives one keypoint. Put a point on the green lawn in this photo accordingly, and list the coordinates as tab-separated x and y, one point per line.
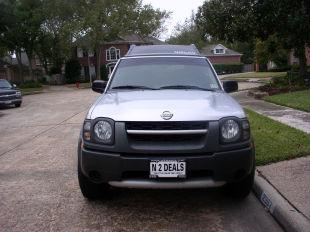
27	91
297	100
257	75
275	141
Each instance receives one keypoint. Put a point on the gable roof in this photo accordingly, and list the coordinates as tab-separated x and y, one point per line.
208	51
136	39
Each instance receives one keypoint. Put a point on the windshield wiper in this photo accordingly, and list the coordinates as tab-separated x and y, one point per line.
132	87
185	87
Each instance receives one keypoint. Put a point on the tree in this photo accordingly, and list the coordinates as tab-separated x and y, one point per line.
61	25
271	49
245	20
187	33
105	20
10	38
29	17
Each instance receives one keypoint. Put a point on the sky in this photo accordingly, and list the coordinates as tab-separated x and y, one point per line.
180	10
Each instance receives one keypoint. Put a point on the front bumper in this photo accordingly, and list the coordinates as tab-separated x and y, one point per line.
132	170
10	102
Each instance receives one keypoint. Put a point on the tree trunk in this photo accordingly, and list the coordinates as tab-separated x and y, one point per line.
300	54
98	58
43	62
20	66
29	56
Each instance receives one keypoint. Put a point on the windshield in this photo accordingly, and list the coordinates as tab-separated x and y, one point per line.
164	73
4	84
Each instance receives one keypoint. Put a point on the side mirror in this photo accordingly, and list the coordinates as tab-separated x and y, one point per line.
14	85
99	86
230	86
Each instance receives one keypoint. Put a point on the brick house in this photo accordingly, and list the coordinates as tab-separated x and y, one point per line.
110	52
294	60
219	54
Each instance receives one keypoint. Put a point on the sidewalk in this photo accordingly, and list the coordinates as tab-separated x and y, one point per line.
292	179
291	117
283	187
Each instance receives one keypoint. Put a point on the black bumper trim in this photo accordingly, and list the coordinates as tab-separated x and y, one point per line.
224	166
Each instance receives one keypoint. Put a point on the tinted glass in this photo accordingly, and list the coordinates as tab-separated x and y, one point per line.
5	84
164	71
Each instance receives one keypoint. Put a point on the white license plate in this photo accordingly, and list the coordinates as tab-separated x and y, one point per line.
8	102
167	169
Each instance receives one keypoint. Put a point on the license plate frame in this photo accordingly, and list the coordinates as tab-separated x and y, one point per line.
167	169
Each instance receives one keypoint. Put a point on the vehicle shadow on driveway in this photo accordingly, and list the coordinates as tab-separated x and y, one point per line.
169	210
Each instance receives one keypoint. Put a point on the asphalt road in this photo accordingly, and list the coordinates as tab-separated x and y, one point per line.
39	189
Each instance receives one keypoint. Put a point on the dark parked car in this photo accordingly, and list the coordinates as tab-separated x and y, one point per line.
9	94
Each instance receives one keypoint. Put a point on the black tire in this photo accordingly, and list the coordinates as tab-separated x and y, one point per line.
242	188
18	104
91	190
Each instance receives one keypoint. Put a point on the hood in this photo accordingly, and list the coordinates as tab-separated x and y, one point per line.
148	105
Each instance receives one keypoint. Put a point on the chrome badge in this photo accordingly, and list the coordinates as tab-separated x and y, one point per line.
166	115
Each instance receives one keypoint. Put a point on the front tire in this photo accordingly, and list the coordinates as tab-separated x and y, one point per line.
18	104
90	190
242	188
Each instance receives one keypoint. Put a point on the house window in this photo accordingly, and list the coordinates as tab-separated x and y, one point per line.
219	51
113	54
79	52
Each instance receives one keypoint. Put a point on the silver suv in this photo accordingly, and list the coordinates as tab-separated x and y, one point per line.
164	120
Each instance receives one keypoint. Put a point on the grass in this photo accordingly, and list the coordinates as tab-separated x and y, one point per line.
256	75
27	91
82	85
275	141
298	100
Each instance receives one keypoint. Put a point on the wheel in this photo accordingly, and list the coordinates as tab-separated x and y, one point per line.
90	190
242	188
18	104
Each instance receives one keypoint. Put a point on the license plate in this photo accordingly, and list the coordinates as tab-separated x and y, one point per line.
167	169
8	102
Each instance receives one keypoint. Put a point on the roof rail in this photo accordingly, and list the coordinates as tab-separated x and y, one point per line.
130	48
194	47
171	50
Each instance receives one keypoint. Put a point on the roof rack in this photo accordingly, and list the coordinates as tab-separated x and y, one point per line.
156	50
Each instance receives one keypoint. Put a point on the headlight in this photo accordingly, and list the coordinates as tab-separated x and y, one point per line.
230	130
103	131
18	93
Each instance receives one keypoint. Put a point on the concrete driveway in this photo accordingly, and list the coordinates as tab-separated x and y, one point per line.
39	189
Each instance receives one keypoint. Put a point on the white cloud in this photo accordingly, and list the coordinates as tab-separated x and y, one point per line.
180	10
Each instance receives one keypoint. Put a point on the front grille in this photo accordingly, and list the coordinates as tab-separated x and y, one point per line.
167	134
7	97
166	125
165	139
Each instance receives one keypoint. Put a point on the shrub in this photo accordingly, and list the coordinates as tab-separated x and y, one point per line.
228	68
103	73
280	69
30	84
72	71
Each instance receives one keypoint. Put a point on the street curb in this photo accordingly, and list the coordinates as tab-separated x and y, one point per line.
285	214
